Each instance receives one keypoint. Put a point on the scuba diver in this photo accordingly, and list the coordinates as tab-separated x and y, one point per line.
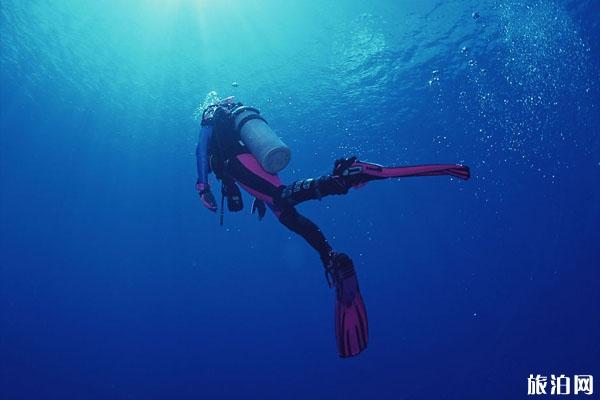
238	146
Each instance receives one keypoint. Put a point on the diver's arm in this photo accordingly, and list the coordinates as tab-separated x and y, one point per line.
202	154
202	185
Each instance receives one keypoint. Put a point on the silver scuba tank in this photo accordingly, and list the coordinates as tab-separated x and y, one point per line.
263	143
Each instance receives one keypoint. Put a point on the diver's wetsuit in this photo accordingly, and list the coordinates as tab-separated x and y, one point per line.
242	167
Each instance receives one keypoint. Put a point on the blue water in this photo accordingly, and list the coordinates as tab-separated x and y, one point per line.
115	282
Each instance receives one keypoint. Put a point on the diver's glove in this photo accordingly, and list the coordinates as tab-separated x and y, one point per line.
208	199
259	207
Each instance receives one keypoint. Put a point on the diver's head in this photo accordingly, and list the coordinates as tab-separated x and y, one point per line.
212	99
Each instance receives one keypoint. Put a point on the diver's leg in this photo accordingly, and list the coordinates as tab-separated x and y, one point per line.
249	173
339	182
267	187
304	227
351	173
313	189
246	170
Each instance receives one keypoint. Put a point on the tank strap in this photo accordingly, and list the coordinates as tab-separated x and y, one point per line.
241	108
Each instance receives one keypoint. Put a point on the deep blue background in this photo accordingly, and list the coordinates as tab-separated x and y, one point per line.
115	283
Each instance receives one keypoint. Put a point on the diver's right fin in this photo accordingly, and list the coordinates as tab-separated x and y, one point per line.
456	170
364	171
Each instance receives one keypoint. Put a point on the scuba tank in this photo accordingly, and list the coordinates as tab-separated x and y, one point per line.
270	151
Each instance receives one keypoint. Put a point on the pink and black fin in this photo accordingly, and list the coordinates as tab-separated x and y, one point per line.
360	172
351	324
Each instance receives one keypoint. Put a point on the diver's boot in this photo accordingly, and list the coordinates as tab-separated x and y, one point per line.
343	166
327	260
351	172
